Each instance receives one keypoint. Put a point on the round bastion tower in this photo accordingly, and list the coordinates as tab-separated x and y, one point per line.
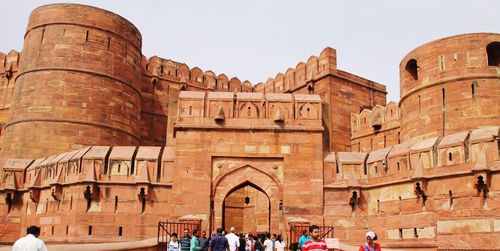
78	83
450	85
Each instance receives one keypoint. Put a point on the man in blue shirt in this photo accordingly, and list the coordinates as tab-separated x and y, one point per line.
219	242
204	242
305	237
185	241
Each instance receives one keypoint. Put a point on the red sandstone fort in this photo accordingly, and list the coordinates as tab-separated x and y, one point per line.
99	143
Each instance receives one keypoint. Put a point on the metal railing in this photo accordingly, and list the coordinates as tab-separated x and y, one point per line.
296	230
166	228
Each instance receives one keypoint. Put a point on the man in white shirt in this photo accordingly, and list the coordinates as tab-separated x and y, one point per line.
30	242
268	243
173	245
233	239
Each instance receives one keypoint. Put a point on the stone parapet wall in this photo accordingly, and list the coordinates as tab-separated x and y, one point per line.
227	110
375	129
193	79
306	74
88	195
9	69
475	149
421	193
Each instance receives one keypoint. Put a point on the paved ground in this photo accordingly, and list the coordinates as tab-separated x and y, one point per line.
136	245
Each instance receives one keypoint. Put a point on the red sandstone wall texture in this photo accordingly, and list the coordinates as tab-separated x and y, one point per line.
163	79
79	83
96	56
9	65
247	218
342	93
375	129
450	87
455	213
82	80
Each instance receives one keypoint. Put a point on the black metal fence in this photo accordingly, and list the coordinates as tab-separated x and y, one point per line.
166	228
296	230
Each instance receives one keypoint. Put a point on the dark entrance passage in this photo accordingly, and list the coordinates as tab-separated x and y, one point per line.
247	208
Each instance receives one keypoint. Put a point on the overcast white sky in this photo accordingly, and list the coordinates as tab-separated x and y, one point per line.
255	40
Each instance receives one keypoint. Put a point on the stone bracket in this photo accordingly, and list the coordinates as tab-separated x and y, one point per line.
34	194
90	192
481	180
56	191
420	188
9	198
142	192
354	196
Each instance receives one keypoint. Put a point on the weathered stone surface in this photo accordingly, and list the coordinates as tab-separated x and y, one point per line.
464	226
120	142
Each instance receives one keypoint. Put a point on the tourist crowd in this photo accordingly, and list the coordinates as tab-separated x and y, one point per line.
220	241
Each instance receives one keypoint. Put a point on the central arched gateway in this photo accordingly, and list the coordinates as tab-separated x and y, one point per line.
233	179
247	208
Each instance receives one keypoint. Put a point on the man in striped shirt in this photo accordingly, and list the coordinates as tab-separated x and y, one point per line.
315	243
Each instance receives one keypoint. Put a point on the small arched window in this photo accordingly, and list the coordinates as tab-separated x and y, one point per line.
412	68
493	50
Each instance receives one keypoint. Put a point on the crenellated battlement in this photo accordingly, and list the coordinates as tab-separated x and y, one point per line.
243	110
9	61
464	152
167	69
308	72
94	164
380	118
9	70
9	67
459	153
303	73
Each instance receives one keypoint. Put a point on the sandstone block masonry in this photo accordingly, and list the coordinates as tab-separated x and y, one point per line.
99	143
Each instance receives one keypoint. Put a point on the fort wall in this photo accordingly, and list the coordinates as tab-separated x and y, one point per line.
65	55
342	94
162	80
449	85
418	194
99	142
9	69
50	190
95	194
375	129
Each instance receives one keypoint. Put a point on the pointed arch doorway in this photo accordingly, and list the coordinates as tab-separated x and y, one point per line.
256	180
247	207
